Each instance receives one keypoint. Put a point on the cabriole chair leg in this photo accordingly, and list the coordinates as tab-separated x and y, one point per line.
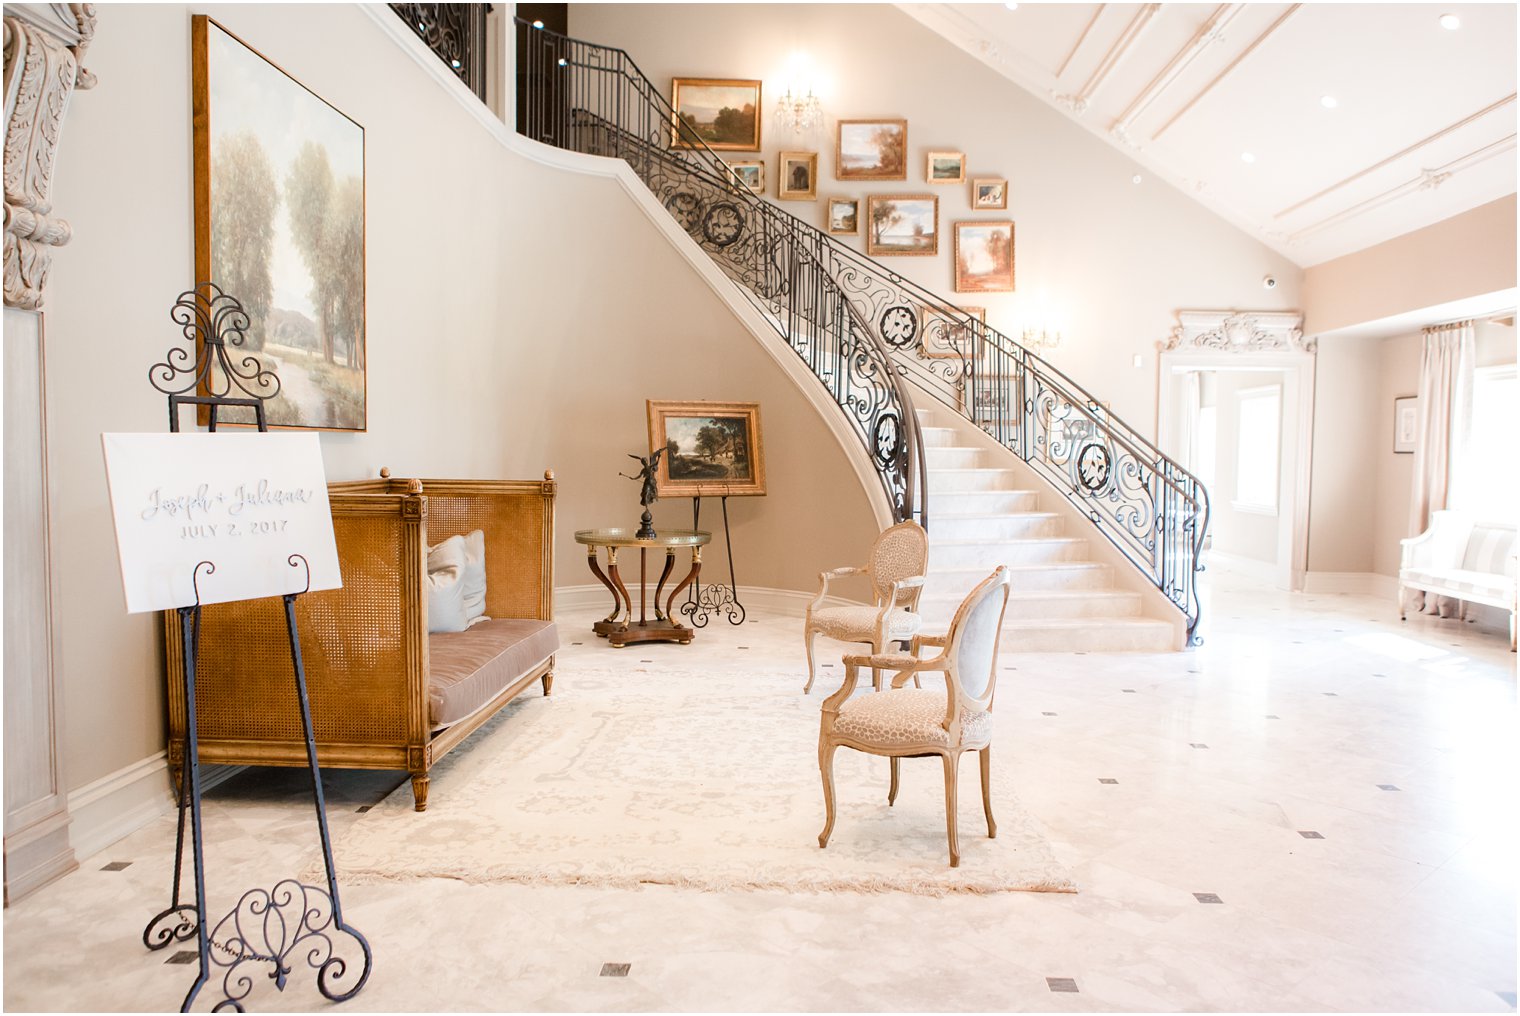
892	791
826	770
952	768
986	754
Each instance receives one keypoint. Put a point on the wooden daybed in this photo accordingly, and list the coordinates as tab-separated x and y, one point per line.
384	693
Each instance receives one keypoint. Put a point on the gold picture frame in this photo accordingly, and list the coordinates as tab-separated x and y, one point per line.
711	448
895	224
871	150
989	193
725	113
984	257
797	176
751	172
945	167
843	218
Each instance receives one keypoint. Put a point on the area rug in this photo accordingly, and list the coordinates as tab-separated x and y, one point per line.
649	775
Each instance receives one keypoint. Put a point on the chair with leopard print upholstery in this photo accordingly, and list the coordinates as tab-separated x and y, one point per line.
904	722
899	558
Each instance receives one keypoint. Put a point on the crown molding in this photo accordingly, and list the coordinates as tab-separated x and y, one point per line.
1232	331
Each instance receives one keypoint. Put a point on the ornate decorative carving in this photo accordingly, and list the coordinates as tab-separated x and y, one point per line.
44	45
1240	331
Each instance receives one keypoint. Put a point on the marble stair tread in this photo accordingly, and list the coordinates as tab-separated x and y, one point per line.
1090	575
1049	604
1088	635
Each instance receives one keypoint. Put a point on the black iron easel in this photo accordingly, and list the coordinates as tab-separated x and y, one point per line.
268	926
717	598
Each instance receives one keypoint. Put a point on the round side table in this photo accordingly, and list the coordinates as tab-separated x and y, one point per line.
619	628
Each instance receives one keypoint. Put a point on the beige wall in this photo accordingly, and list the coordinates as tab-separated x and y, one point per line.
518	316
1343	468
1464	256
1113	261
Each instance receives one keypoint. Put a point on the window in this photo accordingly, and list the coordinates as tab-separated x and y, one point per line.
1259	425
1490	487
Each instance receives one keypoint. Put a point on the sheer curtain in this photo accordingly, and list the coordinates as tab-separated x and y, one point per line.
1446	384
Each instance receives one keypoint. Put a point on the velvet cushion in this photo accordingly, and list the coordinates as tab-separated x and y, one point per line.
468	669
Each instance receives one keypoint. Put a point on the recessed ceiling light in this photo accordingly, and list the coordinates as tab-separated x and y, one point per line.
1136	178
1247	157
1012	7
1451	22
1328	101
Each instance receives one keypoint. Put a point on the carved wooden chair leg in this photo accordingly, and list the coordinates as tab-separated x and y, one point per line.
420	790
892	792
548	680
952	768
809	686
826	769
986	754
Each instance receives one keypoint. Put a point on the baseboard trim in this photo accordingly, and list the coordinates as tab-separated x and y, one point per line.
120	803
1384	587
786	602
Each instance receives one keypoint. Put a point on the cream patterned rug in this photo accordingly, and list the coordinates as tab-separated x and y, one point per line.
689	778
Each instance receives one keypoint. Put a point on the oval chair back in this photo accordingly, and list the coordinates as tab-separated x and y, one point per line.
898	553
973	643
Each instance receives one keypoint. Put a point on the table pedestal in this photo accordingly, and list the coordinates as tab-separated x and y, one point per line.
619	628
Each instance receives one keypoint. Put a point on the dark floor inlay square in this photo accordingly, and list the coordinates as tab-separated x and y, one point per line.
1207	898
743	647
184	956
115	866
1332	694
1379	675
575	643
1105	779
1062	983
646	661
1047	714
1386	786
363	808
1273	716
1195	744
615	969
1128	691
1310	834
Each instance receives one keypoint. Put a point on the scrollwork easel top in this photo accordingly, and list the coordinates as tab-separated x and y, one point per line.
212	321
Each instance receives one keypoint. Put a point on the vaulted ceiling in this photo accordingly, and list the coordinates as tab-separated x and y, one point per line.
1320	128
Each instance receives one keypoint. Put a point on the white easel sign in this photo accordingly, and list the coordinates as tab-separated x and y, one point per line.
245	502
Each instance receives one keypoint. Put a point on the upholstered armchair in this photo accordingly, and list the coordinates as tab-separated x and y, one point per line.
896	568
904	722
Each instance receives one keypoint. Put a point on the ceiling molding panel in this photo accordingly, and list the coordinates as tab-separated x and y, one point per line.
1081	101
1208	33
1081	39
1263	37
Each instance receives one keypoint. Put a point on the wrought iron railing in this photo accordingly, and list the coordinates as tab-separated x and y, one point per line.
456	33
601	104
822	296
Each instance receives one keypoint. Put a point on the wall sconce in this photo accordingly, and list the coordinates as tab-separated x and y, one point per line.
798	113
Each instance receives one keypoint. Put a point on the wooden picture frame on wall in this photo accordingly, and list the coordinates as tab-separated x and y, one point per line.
711	448
843	217
989	193
871	150
723	112
945	167
1406	424
906	224
984	257
797	176
279	169
751	172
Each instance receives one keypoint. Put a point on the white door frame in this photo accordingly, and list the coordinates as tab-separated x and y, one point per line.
1251	341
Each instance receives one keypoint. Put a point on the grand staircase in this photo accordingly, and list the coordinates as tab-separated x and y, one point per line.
1002	457
988	511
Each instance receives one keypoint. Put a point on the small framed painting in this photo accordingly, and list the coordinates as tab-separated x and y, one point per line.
989	193
844	216
984	257
751	173
1406	424
871	150
721	113
797	176
945	167
950	333
902	224
711	448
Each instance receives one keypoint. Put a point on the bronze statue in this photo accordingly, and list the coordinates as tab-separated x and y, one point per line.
647	496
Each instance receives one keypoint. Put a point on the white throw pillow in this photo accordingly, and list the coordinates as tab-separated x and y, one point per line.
446	567
474	575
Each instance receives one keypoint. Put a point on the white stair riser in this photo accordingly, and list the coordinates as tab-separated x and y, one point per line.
1133	636
1096	605
990	555
951	481
952	458
1056	577
998	527
980	502
938	437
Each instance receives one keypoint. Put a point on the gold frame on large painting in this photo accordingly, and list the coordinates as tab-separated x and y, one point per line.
661	413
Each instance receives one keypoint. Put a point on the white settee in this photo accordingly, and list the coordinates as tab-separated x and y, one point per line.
1462	558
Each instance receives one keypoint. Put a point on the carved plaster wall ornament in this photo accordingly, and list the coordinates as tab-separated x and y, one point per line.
1240	331
44	44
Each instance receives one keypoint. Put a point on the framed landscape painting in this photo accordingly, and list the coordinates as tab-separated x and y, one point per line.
279	224
989	192
984	257
711	448
871	150
902	224
752	173
945	167
844	216
723	112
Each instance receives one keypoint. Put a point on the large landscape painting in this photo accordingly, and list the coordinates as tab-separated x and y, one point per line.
280	225
710	448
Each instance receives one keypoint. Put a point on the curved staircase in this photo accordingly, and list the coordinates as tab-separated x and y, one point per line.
988	511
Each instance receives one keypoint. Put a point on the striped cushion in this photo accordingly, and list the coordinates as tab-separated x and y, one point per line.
1490	548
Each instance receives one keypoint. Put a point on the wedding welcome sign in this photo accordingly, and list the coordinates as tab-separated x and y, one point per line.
245	502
